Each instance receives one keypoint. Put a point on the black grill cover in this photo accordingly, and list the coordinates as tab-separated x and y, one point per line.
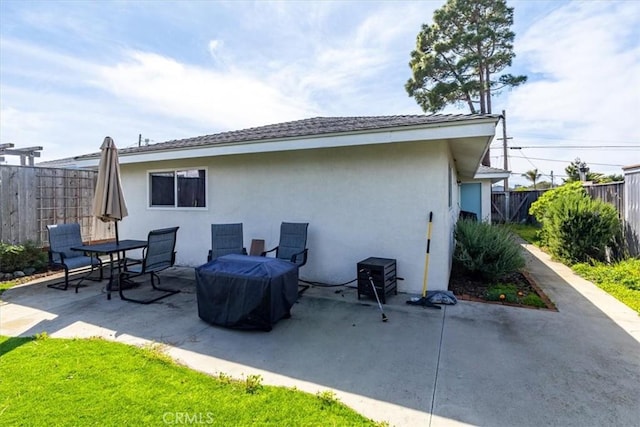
246	292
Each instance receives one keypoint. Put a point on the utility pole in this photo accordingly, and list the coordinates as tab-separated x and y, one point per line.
504	147
552	180
139	139
507	202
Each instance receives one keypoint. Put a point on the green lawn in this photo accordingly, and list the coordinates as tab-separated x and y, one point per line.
46	381
622	280
7	285
527	231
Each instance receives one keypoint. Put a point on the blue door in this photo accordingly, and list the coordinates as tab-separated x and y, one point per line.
471	198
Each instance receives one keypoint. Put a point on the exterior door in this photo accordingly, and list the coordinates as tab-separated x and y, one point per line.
471	198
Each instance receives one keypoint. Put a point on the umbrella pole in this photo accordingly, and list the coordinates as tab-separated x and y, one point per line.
117	238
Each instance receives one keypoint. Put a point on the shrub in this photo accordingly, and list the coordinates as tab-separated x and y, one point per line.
19	257
540	208
486	251
578	228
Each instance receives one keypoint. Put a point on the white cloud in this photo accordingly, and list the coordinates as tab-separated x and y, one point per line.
217	66
584	61
215	50
224	100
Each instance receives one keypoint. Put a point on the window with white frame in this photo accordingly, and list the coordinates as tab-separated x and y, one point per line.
181	188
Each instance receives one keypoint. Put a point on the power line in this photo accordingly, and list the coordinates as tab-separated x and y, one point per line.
572	139
565	161
564	147
582	147
555	175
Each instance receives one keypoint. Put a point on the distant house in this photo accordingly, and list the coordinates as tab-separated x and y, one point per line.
365	185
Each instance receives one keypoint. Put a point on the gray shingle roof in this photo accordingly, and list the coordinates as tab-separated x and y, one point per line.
487	169
300	128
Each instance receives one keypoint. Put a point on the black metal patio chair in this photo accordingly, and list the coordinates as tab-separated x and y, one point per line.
226	239
157	256
63	237
293	243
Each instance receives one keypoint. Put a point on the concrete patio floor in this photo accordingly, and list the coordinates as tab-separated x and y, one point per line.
468	364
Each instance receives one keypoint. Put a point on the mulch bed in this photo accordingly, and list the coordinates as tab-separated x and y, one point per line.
472	289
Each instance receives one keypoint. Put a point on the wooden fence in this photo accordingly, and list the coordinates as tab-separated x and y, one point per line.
518	205
632	210
520	201
33	197
614	193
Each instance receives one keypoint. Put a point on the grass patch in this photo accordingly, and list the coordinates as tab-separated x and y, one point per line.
503	292
511	294
528	232
621	280
533	300
45	381
8	285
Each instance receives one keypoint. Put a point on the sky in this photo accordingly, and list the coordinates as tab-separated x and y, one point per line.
73	72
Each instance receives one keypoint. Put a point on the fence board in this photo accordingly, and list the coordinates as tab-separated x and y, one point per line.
33	197
632	210
519	204
612	193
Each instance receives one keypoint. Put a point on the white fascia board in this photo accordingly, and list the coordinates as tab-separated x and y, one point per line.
490	175
439	131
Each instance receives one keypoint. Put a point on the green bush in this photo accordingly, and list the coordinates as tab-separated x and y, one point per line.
540	208
578	228
486	251
19	257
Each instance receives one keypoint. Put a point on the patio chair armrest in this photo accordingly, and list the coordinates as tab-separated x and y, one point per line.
303	253
126	262
52	253
271	250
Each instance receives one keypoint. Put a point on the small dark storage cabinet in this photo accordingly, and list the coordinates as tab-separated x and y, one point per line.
383	273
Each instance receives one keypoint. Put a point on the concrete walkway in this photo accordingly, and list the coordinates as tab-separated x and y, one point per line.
468	364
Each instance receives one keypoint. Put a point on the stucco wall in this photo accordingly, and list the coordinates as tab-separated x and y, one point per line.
359	201
486	200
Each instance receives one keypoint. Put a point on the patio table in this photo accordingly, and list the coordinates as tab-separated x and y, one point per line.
111	249
246	292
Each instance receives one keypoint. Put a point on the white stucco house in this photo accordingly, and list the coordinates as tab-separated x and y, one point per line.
365	185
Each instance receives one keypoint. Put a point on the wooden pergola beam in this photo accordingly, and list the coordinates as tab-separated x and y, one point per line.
20	152
24	153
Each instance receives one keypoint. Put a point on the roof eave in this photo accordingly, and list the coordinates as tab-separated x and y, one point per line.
453	130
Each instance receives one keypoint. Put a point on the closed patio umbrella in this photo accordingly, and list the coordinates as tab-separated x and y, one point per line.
108	202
